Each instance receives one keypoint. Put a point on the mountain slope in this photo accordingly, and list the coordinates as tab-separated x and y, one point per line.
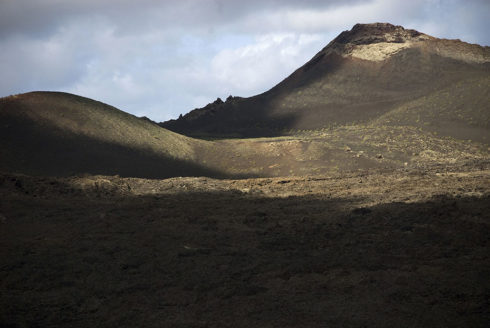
361	75
58	134
53	133
460	111
377	97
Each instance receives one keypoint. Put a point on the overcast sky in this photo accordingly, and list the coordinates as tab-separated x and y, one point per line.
162	58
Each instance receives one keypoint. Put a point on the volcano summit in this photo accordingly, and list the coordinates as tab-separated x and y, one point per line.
372	72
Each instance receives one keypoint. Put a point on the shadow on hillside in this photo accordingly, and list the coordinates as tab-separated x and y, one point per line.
35	148
226	259
254	116
244	118
328	91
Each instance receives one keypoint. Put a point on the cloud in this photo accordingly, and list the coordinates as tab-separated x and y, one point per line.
51	63
163	58
38	17
271	55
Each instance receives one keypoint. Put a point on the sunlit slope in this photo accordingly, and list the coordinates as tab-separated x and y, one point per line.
52	133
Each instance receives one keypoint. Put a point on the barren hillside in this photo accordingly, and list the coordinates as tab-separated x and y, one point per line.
367	72
57	134
52	133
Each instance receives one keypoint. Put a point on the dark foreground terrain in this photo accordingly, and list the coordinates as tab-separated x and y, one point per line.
394	249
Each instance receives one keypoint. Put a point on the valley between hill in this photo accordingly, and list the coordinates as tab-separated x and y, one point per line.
58	134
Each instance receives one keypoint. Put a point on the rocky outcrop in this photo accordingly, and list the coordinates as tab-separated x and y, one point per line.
379	41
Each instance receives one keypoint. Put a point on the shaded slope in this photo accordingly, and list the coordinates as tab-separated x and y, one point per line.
362	74
51	133
60	134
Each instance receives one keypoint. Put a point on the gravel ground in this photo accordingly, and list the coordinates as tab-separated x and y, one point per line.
371	249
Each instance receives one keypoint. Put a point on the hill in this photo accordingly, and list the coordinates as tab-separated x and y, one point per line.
365	75
377	97
60	134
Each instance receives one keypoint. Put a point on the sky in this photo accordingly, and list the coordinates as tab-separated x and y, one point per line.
160	59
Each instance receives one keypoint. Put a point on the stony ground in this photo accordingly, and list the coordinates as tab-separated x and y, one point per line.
403	248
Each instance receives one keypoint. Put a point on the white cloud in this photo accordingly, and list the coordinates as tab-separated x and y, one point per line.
259	66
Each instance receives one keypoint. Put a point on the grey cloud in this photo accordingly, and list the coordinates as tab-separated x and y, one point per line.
38	18
41	18
163	58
